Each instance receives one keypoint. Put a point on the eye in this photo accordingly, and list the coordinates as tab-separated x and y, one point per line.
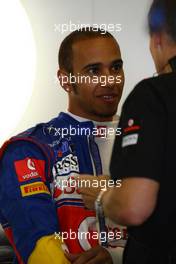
93	70
117	66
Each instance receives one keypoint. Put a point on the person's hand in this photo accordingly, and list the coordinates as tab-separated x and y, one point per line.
90	186
96	255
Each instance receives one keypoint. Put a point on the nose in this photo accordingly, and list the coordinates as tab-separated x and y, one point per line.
107	79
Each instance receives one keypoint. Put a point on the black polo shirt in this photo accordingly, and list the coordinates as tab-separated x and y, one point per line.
147	148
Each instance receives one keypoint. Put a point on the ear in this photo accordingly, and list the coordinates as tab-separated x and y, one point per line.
157	40
63	77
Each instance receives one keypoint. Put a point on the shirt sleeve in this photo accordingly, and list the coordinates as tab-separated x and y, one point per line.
25	198
139	150
49	250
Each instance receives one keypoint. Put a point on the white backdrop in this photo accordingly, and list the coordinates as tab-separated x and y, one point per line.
47	98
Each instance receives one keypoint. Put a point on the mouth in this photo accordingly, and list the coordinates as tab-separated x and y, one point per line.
109	98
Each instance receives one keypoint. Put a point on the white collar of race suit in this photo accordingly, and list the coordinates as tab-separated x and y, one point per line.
96	123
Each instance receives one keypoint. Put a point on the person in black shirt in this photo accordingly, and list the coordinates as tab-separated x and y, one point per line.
144	155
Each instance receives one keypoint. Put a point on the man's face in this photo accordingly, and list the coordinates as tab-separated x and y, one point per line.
97	97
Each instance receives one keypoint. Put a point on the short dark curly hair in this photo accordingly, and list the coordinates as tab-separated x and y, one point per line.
162	17
65	55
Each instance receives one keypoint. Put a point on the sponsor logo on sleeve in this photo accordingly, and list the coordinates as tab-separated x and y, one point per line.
29	168
33	188
130	140
131	126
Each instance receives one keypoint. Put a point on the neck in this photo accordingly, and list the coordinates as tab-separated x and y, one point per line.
167	69
92	118
171	59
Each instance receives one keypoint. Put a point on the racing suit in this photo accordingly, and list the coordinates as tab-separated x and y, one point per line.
34	200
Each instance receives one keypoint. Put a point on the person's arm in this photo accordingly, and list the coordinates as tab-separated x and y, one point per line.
25	198
133	202
123	203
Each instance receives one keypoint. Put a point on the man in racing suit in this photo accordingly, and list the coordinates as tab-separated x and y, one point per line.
37	199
